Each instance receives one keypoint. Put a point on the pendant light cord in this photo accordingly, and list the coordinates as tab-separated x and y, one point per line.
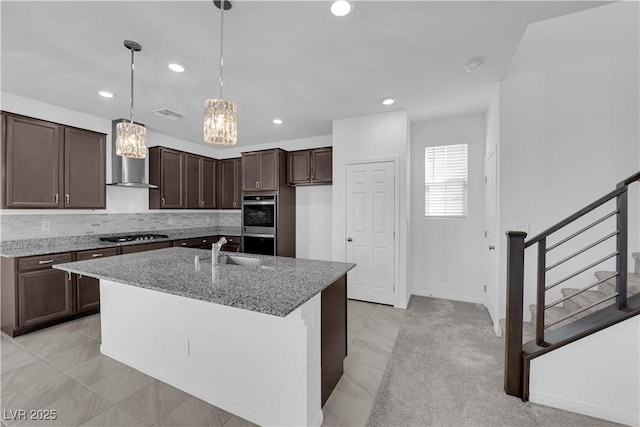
221	43
132	51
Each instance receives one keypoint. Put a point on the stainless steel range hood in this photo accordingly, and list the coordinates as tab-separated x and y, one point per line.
125	171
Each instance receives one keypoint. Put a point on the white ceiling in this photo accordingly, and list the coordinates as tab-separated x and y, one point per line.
288	59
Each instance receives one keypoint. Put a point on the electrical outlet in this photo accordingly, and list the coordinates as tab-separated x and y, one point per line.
443	276
46	226
187	347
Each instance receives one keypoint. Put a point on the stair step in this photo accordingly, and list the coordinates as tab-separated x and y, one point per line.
609	287
553	314
636	256
528	330
585	299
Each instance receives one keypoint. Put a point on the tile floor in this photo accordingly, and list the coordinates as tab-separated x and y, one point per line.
61	368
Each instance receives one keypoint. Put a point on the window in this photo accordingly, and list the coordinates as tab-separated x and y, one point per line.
445	181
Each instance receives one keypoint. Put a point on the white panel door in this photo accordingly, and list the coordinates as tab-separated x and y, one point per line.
490	227
370	231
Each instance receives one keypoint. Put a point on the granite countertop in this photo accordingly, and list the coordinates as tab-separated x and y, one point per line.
53	245
277	287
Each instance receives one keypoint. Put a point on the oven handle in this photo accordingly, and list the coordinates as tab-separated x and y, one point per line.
259	235
259	203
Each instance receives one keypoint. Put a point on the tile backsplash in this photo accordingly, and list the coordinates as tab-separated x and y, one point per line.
19	227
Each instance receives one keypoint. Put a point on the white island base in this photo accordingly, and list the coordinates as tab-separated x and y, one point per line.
260	367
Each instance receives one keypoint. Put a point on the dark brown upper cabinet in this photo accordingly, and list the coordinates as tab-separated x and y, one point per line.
200	180
84	171
185	180
208	183
262	170
51	166
310	167
231	183
167	171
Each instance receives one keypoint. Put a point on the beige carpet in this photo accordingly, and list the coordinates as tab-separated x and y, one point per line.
446	370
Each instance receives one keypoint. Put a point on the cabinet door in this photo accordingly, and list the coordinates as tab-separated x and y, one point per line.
228	176
322	166
33	161
193	181
299	167
209	183
238	188
268	171
43	295
250	171
88	288
171	179
84	169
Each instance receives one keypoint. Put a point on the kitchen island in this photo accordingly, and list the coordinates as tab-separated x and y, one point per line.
264	340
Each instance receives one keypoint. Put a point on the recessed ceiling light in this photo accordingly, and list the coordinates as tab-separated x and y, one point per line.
105	94
176	67
341	7
277	121
474	64
388	101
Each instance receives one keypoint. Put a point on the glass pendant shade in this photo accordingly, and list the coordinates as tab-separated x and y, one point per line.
131	140
220	122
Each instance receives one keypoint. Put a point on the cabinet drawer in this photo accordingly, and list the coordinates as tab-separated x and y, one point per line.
144	247
197	242
235	240
43	261
97	253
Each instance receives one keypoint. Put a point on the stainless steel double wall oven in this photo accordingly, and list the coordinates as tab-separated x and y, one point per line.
259	224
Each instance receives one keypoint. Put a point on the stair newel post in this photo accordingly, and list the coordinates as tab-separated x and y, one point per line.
513	334
542	280
621	248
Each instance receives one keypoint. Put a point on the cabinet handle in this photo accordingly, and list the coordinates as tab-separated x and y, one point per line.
56	198
184	243
49	261
96	255
204	241
162	202
68	276
66	199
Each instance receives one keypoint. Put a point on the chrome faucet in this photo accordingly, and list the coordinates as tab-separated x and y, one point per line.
215	250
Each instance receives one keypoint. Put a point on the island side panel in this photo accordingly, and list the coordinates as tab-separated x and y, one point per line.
260	367
334	335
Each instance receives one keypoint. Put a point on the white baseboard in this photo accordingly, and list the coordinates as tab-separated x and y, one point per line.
453	297
585	409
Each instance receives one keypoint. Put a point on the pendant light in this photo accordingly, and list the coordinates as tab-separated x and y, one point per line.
131	138
220	115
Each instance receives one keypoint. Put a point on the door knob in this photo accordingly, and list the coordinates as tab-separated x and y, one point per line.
491	247
349	239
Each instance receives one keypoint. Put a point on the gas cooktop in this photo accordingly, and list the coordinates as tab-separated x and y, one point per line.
134	237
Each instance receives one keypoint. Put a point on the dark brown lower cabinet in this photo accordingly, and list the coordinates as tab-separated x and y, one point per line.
43	295
333	339
144	247
88	288
33	294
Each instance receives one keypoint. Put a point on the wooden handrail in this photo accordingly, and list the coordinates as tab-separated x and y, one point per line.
633	178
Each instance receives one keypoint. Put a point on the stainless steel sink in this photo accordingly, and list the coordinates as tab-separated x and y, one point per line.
240	260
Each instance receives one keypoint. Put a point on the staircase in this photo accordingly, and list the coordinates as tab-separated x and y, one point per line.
589	298
560	320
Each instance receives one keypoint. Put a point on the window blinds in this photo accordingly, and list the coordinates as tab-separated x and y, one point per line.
445	183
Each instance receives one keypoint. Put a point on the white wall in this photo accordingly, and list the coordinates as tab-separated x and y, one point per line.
373	138
583	376
569	126
491	272
314	222
446	253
